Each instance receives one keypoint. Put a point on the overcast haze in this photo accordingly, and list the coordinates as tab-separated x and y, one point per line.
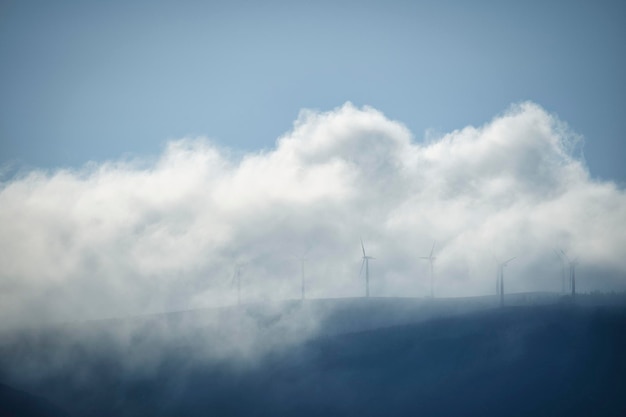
147	148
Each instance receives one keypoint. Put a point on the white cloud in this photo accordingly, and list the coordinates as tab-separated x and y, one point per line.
128	237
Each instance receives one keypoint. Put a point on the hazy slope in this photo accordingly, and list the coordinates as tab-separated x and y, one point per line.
555	359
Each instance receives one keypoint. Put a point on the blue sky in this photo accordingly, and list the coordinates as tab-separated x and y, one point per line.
88	80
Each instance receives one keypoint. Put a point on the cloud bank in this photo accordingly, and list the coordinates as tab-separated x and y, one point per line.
133	237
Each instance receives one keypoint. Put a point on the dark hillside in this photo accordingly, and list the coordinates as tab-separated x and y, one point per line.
518	361
14	403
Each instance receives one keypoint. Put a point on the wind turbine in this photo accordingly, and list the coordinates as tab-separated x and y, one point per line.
560	256
572	272
365	262
431	260
237	278
302	258
500	279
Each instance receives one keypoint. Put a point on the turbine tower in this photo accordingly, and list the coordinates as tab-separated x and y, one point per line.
560	256
365	262
302	258
431	260
237	278
500	279
572	272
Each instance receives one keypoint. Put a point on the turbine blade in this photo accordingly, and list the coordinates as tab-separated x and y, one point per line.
362	247
506	262
361	271
433	248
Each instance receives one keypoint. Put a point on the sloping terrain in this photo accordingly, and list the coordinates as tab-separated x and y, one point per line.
357	357
14	403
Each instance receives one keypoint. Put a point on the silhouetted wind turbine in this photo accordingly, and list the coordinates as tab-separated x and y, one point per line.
365	262
431	260
572	272
500	281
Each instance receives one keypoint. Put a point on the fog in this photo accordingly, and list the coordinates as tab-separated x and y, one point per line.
145	235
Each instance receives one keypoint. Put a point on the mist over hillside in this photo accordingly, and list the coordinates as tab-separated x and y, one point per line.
539	355
348	270
289	208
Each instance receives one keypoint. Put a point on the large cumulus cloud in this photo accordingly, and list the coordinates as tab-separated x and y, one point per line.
129	237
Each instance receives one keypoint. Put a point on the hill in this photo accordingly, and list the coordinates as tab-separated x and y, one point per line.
334	357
